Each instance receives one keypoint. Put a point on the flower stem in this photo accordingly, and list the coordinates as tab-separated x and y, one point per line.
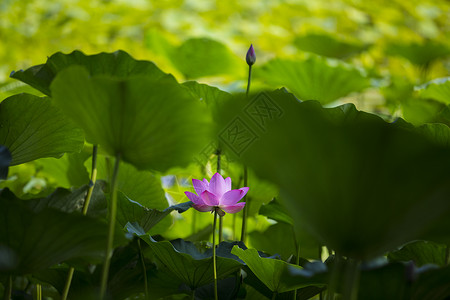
245	211
112	223
8	288
249	79
65	292
219	169
297	257
144	269
351	280
214	255
38	292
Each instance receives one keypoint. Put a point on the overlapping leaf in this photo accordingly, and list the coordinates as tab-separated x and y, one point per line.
32	127
357	183
315	78
118	64
142	120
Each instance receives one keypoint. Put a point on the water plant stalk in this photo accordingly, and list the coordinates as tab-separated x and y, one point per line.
245	210
87	200
38	292
297	257
219	169
216	297
112	224
141	256
351	279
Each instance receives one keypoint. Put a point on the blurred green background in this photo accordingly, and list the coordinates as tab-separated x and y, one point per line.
398	44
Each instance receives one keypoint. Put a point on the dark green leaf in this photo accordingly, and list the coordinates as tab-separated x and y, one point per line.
118	64
129	211
269	271
354	181
67	171
32	128
421	253
192	267
40	240
125	116
276	211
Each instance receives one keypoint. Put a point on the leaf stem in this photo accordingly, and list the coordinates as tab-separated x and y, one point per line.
143	268
92	181
112	223
38	292
274	295
8	289
66	289
214	255
351	280
297	257
219	169
245	211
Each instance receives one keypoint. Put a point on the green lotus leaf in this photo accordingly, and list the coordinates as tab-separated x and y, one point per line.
438	89
357	183
150	124
188	264
270	271
38	240
419	53
314	78
32	127
117	64
421	253
201	57
326	45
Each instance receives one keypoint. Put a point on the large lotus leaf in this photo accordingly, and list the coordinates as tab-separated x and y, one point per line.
276	211
118	64
356	182
432	283
143	187
419	53
421	253
41	239
32	127
392	277
314	78
281	239
67	171
270	271
142	120
131	211
188	264
201	57
438	89
326	45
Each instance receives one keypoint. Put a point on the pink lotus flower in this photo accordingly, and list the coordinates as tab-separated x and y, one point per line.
217	194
